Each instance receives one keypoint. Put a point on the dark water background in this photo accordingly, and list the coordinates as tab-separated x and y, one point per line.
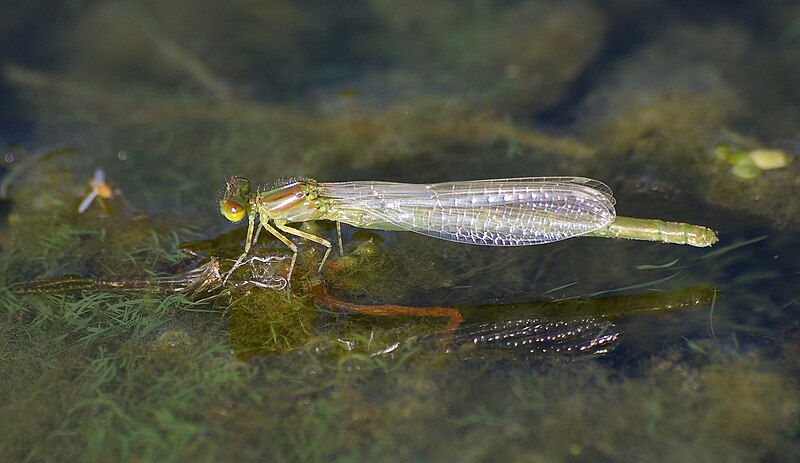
689	112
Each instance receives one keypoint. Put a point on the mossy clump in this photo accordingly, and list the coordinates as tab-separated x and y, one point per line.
371	273
172	347
516	58
660	107
428	139
263	323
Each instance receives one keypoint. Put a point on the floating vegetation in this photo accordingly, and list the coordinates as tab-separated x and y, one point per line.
749	164
121	339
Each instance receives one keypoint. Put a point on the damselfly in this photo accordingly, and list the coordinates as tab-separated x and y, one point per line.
496	212
101	191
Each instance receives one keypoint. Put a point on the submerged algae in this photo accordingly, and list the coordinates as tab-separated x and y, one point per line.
300	405
644	415
138	398
518	58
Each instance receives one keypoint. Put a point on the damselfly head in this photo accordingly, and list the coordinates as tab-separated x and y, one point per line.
238	187
235	199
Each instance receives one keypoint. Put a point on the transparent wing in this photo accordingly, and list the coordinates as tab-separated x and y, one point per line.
87	201
502	212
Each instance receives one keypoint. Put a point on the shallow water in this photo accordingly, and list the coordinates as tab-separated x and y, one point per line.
586	349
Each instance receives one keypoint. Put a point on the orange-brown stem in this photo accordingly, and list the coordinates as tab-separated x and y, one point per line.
322	296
